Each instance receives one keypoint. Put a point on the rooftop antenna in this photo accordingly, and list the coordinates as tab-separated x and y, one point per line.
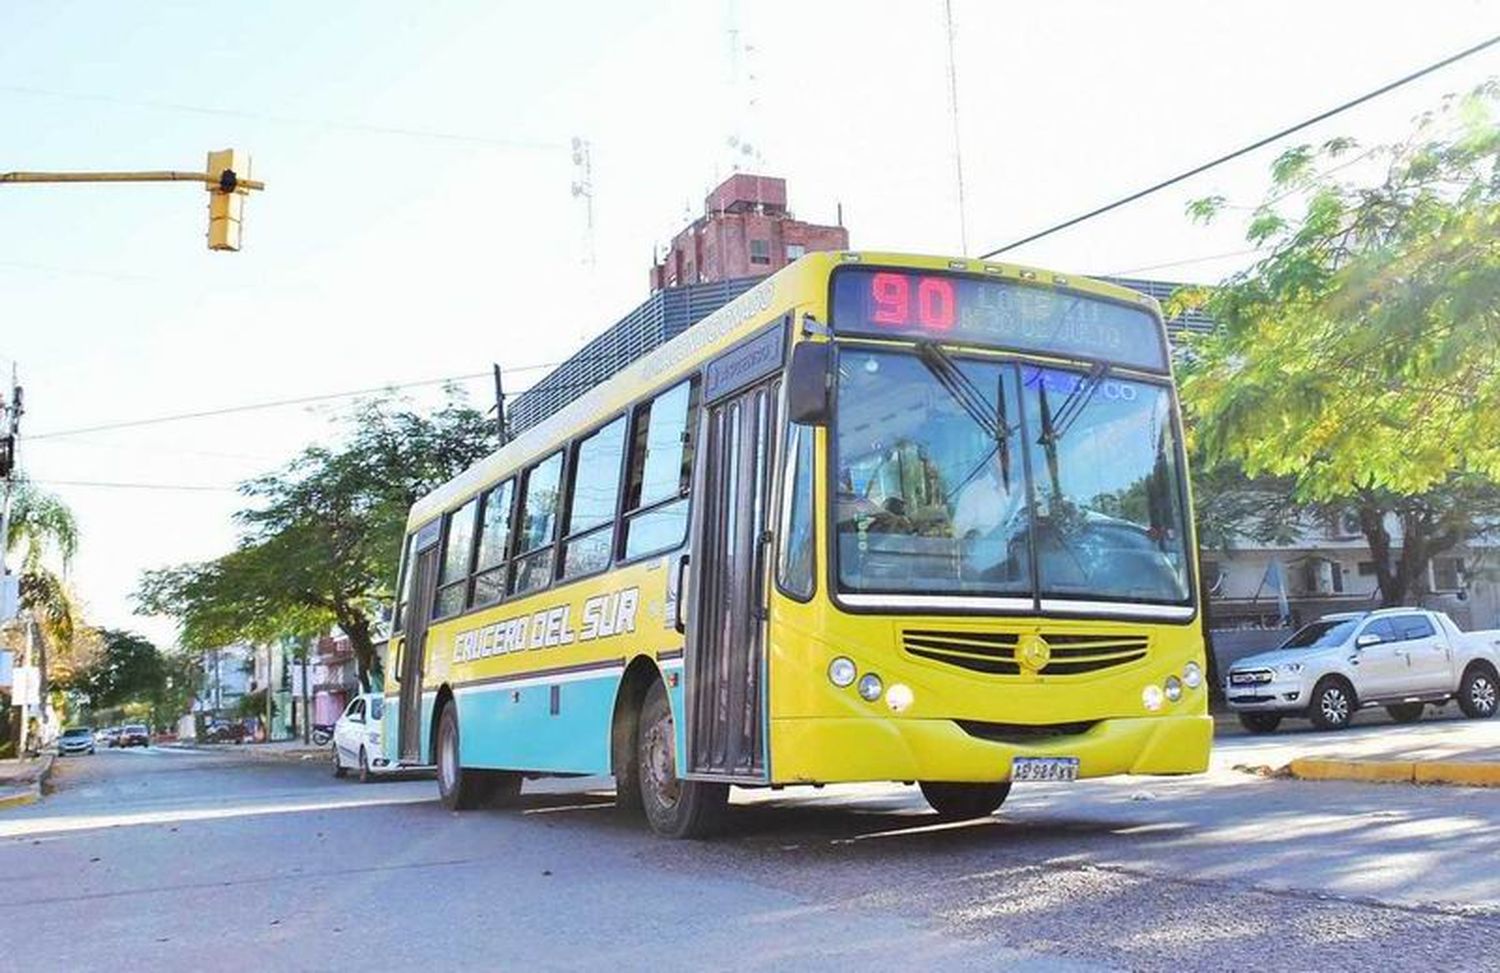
958	156
742	151
583	188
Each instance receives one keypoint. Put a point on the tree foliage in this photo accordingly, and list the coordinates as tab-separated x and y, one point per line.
320	538
39	547
129	670
1358	362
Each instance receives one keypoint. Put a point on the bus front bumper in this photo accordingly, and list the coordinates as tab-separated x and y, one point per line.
841	749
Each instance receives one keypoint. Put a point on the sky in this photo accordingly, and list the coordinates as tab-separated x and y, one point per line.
419	220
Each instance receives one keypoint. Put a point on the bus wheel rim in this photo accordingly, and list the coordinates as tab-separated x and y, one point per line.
661	763
448	760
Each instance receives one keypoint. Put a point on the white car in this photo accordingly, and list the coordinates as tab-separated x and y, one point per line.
1399	658
357	739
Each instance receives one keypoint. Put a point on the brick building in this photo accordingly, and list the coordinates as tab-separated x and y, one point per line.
745	231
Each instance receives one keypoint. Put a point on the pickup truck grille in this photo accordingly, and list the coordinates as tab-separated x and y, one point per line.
995	652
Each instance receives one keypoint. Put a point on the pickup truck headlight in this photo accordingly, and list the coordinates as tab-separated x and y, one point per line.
1293	667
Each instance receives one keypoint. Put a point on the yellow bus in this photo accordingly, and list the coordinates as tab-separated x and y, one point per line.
881	518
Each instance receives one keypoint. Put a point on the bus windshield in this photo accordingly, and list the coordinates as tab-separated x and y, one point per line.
994	478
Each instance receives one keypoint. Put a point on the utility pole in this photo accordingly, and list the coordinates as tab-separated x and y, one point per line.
10	427
225	177
503	433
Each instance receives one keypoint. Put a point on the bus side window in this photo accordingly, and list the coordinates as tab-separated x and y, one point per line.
494	535
536	525
794	568
661	472
458	554
593	492
403	585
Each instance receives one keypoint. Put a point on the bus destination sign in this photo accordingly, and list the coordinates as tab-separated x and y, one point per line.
999	313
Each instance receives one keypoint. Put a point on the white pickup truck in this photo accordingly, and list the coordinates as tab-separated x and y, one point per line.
1399	658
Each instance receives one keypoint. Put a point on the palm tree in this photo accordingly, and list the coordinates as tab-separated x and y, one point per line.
43	534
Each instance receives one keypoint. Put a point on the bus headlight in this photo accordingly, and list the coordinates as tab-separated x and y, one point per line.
1152	697
1173	687
1192	676
899	697
870	687
841	671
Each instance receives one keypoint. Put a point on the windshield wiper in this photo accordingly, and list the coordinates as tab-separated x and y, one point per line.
1078	400
968	395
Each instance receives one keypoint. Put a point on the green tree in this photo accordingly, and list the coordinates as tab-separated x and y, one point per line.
130	670
1358	362
320	540
39	546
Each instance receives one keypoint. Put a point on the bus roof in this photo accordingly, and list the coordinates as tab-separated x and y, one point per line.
700	342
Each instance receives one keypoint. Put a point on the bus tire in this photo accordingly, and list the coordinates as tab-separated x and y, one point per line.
962	802
675	808
461	789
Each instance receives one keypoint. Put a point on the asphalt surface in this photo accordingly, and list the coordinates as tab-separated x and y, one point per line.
189	860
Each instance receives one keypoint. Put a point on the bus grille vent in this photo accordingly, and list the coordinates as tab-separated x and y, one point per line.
995	652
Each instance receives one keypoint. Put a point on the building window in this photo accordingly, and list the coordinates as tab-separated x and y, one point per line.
1447	573
1367	569
795	251
760	252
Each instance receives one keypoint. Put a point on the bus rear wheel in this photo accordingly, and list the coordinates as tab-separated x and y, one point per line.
675	808
464	788
961	802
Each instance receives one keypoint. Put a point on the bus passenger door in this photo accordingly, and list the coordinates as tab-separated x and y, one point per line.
725	658
414	652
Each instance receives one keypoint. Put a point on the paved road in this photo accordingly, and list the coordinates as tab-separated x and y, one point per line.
180	860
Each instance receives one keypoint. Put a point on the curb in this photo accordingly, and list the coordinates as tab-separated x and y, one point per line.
32	791
1462	773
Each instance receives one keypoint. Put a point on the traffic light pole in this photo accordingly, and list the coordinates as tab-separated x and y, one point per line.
224	178
160	175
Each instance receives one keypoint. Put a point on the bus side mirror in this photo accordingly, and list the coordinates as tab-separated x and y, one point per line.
809	384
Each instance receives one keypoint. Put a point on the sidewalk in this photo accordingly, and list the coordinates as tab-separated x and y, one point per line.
280	750
21	780
1438	750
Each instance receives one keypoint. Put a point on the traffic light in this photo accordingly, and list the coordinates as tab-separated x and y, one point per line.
226	197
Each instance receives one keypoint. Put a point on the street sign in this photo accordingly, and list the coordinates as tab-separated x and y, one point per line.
25	686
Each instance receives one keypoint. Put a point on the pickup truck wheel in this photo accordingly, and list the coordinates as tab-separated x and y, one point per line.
1260	722
1477	694
1332	704
1406	712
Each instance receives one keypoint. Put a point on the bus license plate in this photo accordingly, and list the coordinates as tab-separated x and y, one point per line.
1044	768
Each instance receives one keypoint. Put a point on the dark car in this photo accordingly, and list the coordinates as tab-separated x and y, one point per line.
224	731
134	735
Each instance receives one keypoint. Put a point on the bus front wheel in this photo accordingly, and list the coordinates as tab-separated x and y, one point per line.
464	788
675	808
960	802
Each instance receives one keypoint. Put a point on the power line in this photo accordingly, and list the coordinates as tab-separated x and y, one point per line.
360	127
1259	143
308	399
1183	263
139	486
